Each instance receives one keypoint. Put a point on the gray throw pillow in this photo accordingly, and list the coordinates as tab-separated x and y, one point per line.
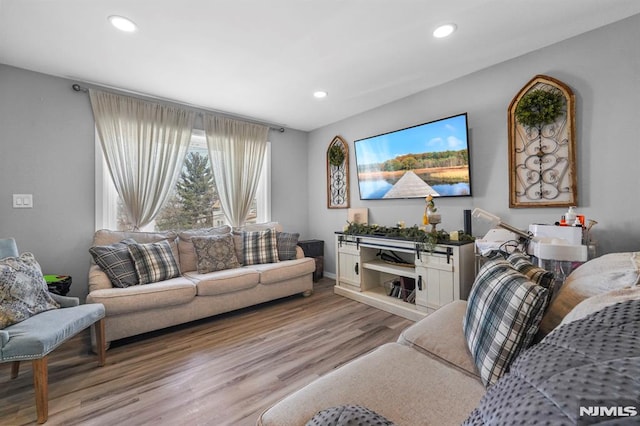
287	243
215	253
23	290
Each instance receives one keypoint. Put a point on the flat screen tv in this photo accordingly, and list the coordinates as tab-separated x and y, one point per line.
430	158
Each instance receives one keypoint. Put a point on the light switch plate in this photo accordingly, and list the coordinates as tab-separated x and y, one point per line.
22	201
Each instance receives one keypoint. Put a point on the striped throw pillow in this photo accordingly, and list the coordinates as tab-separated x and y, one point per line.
502	317
154	261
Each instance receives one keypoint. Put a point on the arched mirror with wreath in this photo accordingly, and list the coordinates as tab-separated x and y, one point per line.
338	174
542	147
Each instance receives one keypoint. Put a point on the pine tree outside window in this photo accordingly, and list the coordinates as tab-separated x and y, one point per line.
194	202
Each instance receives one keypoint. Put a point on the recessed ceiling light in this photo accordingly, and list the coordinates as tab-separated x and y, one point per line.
444	30
123	24
319	94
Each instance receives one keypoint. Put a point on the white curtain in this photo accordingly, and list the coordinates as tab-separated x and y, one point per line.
144	145
237	151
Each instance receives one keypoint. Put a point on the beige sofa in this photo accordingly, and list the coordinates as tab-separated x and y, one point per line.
142	308
428	377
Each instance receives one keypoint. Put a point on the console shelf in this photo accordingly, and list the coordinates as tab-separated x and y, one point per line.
388	268
440	276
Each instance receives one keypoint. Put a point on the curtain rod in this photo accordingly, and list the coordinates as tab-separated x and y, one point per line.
78	88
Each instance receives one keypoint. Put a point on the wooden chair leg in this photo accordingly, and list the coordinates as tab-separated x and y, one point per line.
101	345
41	385
15	369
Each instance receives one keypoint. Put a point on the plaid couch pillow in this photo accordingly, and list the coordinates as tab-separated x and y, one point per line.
287	243
154	261
522	263
260	247
502	317
115	260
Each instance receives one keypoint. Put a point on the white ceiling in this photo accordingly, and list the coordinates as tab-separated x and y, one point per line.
263	59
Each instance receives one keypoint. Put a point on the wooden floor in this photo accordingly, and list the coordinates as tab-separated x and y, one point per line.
223	370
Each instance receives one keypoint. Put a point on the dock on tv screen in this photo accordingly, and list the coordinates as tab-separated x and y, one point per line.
427	159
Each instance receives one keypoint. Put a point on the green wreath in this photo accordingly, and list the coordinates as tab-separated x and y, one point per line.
539	107
336	155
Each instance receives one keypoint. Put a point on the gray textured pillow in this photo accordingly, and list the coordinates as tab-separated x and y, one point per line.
116	261
215	253
287	243
345	415
188	257
154	261
23	290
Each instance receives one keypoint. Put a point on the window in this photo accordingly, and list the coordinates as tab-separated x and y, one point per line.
189	205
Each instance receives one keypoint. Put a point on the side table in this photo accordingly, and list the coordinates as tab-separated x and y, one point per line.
58	284
315	249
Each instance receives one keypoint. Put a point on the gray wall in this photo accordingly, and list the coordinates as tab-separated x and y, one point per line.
47	149
603	69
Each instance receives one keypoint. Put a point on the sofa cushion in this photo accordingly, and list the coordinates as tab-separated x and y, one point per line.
116	261
116	301
398	382
287	269
597	276
503	314
154	261
215	253
226	281
601	301
259	247
287	243
188	258
23	290
440	335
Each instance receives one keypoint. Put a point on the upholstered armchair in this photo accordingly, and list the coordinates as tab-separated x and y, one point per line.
33	338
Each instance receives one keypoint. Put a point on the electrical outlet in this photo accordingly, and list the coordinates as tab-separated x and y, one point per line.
22	201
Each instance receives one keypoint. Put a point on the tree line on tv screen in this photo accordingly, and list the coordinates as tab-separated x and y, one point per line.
426	160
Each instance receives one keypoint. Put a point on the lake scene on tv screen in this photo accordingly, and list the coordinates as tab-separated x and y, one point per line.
429	159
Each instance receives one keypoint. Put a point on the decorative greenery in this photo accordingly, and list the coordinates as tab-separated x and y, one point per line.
540	107
336	155
413	233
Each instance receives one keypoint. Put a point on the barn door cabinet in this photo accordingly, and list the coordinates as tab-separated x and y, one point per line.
420	282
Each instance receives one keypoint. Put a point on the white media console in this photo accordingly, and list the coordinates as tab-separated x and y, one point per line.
424	280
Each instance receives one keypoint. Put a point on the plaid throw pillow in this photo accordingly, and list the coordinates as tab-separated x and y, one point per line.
502	317
115	260
260	247
287	243
154	261
522	263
